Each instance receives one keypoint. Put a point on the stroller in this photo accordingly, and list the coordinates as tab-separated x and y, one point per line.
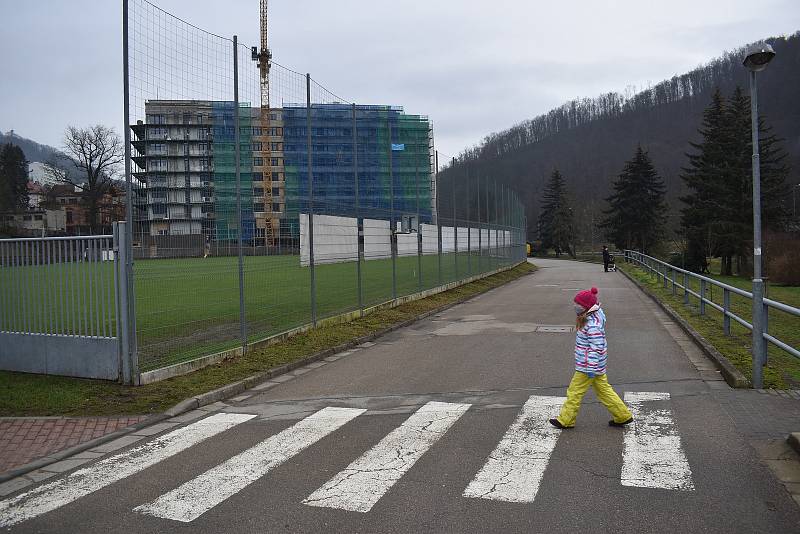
612	267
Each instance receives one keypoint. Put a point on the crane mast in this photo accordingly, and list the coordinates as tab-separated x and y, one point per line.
266	137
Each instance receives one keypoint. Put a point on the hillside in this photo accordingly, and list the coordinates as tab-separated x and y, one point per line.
589	140
33	150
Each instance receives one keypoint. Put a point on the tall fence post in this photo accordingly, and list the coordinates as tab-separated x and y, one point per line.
392	223
128	358
469	229
237	162
455	225
674	289
438	214
310	205
419	223
359	221
127	265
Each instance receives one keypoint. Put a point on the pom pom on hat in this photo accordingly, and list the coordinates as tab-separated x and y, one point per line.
587	298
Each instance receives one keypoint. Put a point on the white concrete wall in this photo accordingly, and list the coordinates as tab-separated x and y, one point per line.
407	244
335	239
448	239
377	240
430	239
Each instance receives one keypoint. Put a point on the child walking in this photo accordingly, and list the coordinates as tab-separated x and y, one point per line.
590	365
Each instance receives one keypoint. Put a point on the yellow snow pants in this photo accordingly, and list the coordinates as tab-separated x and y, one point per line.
577	389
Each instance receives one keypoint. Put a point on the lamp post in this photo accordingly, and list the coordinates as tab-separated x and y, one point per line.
756	59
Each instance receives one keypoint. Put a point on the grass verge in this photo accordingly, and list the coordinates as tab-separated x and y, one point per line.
37	395
782	370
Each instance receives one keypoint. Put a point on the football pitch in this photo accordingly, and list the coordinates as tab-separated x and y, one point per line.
189	307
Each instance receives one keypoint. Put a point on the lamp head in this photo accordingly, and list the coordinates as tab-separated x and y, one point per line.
757	56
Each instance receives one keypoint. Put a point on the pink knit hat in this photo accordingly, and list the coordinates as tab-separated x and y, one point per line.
586	298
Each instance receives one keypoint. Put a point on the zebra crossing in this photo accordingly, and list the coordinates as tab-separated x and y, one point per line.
653	457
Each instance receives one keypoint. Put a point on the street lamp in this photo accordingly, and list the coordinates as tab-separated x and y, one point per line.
756	59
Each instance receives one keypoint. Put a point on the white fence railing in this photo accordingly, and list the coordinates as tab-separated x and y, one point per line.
669	275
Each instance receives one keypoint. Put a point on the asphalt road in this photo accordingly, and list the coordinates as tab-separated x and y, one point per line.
441	427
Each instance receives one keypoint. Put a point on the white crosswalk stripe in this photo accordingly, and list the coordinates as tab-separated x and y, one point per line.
652	456
191	500
84	481
515	468
367	479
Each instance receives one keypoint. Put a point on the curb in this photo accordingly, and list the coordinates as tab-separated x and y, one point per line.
230	390
794	441
732	375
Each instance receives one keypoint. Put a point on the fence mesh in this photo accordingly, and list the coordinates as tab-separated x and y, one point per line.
335	206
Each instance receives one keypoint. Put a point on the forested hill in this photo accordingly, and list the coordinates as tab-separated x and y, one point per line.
589	140
33	151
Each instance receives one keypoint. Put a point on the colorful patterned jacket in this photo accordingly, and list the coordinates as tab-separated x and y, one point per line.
590	344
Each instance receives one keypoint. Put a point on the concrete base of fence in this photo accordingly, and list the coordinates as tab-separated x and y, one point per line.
204	361
732	375
49	354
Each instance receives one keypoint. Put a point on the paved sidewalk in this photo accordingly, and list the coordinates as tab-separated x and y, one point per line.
24	439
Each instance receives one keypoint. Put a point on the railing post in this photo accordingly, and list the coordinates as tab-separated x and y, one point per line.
666	276
702	297
765	345
674	288
685	288
726	306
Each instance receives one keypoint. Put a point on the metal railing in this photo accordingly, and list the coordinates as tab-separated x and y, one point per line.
64	307
669	276
58	286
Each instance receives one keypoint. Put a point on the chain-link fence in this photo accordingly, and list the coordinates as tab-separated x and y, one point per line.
261	204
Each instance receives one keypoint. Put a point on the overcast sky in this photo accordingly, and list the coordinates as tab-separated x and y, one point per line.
472	66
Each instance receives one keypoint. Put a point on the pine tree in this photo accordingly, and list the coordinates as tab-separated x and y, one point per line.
556	226
13	178
703	177
719	208
637	211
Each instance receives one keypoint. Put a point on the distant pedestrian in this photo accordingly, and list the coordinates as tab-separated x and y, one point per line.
590	365
606	257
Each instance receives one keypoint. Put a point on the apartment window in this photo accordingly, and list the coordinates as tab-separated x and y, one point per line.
256	130
62	200
276	146
275	161
203	163
69	216
258	162
159	209
276	207
73	200
157	165
273	116
257	146
258	207
276	131
258	176
37	217
260	232
157	133
156	119
158	194
26	217
158	148
203	148
258	191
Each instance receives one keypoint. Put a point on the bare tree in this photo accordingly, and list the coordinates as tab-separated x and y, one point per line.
90	160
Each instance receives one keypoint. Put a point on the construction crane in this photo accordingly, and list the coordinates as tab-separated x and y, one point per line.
264	59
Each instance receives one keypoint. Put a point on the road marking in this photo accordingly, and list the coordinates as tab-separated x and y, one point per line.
189	501
84	481
515	468
367	479
652	456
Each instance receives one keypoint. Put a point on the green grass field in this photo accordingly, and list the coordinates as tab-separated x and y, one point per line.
187	308
783	369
